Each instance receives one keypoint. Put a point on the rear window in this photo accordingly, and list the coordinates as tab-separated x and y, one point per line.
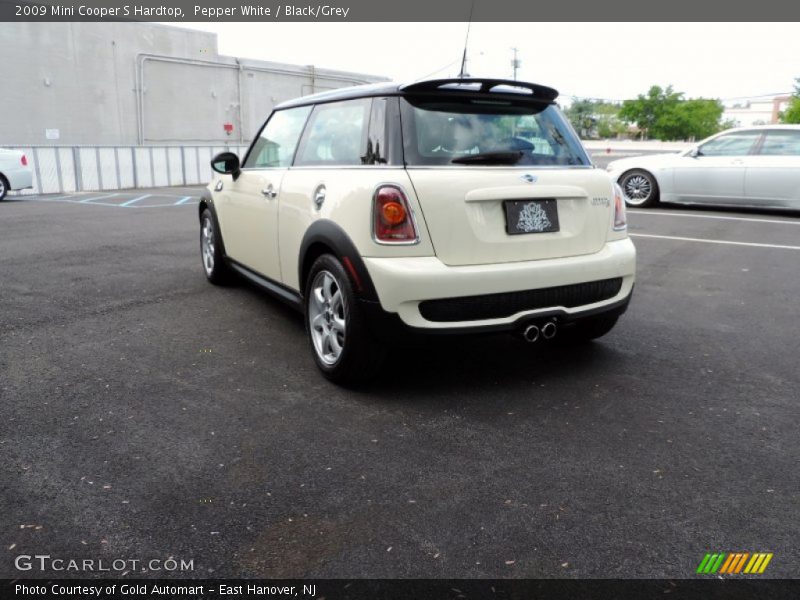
781	143
442	131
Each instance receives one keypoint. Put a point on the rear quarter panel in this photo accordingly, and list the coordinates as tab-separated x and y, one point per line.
348	203
17	175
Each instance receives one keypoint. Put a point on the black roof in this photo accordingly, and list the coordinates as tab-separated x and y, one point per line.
496	87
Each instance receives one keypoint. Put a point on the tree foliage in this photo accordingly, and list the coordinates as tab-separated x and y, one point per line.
665	114
595	118
792	113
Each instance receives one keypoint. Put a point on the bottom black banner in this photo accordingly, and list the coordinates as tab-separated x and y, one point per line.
401	589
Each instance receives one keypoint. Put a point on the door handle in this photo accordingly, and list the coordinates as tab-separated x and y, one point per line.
269	192
319	197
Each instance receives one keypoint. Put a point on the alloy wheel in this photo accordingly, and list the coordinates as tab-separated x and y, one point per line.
637	188
327	317
207	244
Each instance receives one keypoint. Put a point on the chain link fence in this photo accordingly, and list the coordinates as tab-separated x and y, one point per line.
64	169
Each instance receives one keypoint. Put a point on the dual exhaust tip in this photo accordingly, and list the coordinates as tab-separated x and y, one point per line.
531	333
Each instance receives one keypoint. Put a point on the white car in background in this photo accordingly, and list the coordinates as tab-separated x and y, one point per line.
756	167
15	173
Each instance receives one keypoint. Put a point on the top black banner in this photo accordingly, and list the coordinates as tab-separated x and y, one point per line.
406	10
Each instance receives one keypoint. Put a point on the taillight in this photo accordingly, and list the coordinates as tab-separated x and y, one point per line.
392	221
620	218
24	160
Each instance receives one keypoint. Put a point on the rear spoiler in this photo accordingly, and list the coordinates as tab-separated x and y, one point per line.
505	87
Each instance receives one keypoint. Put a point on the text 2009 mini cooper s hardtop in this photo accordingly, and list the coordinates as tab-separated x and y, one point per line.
446	206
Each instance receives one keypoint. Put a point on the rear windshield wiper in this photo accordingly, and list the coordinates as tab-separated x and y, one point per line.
490	158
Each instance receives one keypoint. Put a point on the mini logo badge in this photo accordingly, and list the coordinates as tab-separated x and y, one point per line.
529	178
733	563
533	218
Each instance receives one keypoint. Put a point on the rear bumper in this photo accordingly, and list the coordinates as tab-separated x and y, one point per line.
403	283
390	328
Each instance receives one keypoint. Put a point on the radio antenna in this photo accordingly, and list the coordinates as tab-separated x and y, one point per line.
463	73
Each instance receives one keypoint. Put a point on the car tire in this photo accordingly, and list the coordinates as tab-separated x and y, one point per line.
588	329
337	329
3	188
214	264
639	188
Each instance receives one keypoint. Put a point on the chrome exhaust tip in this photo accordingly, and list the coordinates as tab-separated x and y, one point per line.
530	334
549	330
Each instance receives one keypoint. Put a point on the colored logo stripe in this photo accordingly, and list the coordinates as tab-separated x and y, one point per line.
758	563
734	562
711	563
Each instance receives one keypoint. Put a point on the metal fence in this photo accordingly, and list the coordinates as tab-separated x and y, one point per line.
64	169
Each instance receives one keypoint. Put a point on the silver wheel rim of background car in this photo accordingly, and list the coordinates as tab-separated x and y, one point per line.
637	188
327	318
207	241
2	187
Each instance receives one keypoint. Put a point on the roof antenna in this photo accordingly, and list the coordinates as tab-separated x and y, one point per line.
463	73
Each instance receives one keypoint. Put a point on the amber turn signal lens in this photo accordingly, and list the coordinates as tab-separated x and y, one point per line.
393	213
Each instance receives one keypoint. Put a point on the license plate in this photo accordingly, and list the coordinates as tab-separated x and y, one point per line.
531	216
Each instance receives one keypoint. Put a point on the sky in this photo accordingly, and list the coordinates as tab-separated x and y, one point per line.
612	61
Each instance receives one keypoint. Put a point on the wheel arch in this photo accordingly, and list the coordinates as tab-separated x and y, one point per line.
326	237
206	202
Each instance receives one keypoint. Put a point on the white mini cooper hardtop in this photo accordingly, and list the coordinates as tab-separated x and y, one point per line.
449	206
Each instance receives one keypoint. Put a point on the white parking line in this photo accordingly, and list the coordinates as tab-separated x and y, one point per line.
133	200
672	214
704	241
162	205
97	198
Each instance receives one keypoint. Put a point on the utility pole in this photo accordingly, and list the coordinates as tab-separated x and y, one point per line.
515	62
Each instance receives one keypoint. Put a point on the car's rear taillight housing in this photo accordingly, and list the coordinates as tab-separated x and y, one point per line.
392	220
24	160
620	218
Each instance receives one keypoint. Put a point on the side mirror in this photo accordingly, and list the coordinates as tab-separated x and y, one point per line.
695	152
227	163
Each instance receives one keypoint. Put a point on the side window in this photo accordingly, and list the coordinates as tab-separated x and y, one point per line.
781	143
336	134
731	144
278	140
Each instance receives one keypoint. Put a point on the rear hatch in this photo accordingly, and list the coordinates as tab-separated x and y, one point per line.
502	179
466	211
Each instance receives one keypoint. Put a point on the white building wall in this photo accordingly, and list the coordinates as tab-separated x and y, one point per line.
113	83
754	113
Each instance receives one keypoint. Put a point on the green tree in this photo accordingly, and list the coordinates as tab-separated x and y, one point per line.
665	115
609	124
595	118
650	112
697	118
581	114
792	113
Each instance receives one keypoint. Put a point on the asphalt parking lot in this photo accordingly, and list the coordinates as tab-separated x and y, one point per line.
148	414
